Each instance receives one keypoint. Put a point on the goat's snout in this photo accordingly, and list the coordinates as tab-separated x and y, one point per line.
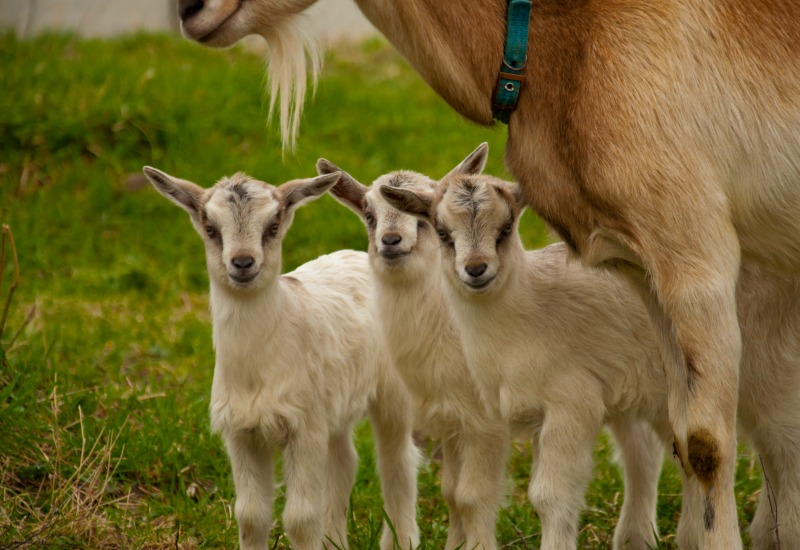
243	262
187	8
476	269
243	269
392	248
391	239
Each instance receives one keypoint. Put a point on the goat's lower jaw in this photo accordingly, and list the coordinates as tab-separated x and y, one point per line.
209	35
478	288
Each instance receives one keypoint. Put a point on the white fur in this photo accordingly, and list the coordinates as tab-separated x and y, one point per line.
299	360
428	355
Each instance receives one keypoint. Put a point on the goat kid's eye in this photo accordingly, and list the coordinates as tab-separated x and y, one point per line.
272	230
505	232
369	217
211	231
444	236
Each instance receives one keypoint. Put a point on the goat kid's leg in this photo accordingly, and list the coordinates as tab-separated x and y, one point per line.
251	463
342	466
561	470
305	461
641	453
480	486
777	517
451	471
398	459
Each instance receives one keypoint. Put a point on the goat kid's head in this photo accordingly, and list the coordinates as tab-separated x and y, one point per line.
400	244
242	222
475	218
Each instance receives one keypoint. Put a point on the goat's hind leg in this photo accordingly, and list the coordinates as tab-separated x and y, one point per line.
342	466
641	453
251	463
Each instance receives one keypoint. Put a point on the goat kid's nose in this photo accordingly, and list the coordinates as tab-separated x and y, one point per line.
476	270
390	239
187	8
243	262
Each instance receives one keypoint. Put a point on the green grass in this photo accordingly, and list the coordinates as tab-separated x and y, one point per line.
104	437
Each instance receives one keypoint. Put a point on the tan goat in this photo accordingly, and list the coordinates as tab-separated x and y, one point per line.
660	136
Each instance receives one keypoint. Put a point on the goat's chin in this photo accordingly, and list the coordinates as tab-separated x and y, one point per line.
218	27
480	288
243	284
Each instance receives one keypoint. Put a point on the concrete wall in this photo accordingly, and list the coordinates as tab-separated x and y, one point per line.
332	20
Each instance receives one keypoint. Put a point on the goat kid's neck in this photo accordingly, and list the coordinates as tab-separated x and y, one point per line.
254	314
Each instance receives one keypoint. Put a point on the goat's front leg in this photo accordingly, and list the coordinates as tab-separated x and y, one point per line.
480	486
451	468
251	463
561	470
641	452
305	467
398	459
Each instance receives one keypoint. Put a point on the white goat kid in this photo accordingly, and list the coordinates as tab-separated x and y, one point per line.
299	361
567	347
555	346
427	352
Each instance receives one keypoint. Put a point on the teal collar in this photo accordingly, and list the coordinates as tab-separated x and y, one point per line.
515	57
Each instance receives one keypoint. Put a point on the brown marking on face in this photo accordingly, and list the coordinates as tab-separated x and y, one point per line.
239	189
704	455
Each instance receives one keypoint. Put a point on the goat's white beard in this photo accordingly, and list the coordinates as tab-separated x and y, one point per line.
293	58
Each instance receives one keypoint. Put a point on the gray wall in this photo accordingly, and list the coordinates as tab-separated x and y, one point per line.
332	20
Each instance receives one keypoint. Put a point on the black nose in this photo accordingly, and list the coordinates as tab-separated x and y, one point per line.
187	8
476	270
243	262
390	239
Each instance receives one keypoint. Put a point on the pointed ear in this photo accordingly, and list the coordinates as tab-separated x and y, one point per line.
348	191
474	164
510	191
297	192
183	193
416	203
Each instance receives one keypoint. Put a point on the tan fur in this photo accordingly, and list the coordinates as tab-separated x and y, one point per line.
299	361
567	348
664	134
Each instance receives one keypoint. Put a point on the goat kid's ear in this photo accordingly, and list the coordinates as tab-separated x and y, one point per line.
182	192
348	191
297	192
475	162
416	203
